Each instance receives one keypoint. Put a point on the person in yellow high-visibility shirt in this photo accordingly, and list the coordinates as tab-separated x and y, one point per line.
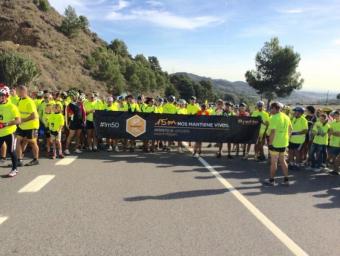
91	105
298	137
193	107
334	144
260	112
112	142
27	132
169	108
279	130
148	146
14	98
38	99
9	119
182	110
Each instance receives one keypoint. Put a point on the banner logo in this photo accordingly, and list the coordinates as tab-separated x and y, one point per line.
135	126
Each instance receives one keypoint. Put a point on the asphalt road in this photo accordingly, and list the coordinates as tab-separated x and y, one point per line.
164	204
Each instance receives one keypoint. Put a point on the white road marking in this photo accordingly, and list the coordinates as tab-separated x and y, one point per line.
37	184
67	160
289	243
3	219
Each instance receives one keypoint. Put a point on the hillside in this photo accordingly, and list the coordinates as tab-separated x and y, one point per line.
34	33
240	89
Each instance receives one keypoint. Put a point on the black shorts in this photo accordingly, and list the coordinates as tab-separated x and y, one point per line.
27	134
335	151
76	125
280	150
295	146
89	125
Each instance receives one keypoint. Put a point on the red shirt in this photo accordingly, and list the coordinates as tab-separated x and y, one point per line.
203	113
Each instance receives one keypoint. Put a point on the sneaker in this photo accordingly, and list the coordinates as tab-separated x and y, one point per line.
110	149
218	155
116	149
78	151
90	148
334	173
61	156
180	150
326	169
12	173
246	157
33	162
285	181
67	152
53	156
95	149
269	183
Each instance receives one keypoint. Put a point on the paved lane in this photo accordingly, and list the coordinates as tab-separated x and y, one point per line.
159	204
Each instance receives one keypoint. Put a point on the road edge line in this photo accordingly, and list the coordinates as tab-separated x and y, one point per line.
275	230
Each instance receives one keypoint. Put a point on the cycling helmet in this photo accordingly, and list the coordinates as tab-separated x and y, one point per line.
260	103
172	98
4	90
73	93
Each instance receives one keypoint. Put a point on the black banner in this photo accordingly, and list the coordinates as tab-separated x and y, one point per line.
144	126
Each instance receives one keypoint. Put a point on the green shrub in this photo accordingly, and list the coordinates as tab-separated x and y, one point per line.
72	24
43	5
17	69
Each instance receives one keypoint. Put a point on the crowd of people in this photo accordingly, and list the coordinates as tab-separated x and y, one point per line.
308	138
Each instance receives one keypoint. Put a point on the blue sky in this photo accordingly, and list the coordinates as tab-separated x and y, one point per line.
220	38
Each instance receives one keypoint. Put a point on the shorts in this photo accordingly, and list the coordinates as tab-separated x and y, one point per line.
278	150
295	146
334	151
27	134
56	135
76	125
44	131
89	125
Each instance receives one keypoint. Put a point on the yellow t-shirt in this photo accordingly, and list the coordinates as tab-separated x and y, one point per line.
264	118
56	122
92	105
192	109
26	107
299	124
8	112
149	109
14	99
37	102
280	123
182	111
169	108
42	108
322	129
113	107
335	140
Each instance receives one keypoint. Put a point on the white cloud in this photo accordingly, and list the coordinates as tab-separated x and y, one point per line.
166	19
292	11
121	4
